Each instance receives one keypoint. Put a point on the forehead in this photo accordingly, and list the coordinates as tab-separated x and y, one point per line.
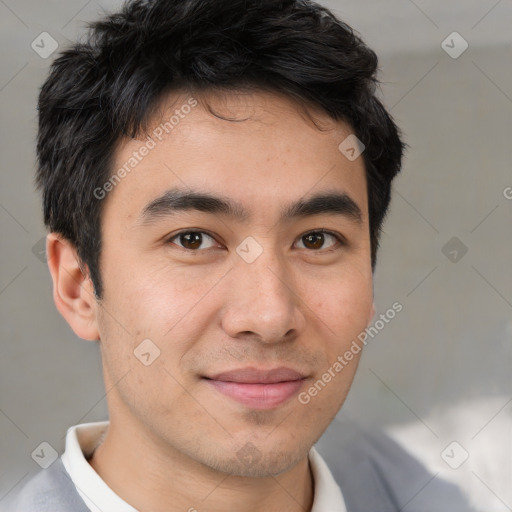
259	148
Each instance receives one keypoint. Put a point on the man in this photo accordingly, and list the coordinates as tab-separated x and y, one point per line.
215	176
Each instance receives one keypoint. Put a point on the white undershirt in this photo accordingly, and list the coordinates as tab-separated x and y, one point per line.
81	441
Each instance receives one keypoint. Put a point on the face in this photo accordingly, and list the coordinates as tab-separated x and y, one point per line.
263	277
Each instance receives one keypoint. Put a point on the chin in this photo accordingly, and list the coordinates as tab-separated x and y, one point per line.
254	461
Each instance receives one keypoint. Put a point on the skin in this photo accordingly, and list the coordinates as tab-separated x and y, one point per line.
172	442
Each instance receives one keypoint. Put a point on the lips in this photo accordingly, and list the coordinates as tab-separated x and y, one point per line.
252	375
258	389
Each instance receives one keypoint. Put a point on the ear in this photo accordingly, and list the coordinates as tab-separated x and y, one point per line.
73	293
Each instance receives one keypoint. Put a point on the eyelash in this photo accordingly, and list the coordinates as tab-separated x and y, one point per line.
340	239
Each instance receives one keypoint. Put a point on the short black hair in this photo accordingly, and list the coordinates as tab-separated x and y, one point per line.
108	87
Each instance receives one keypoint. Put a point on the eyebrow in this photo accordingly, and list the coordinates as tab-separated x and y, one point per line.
177	200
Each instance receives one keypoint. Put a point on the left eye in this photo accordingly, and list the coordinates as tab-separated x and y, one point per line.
315	239
192	240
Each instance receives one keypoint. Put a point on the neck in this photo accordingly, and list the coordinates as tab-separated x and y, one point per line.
153	477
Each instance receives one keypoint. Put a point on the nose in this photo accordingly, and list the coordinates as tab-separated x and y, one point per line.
263	301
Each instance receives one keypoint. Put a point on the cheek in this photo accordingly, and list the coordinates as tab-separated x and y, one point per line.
155	296
339	314
343	304
170	305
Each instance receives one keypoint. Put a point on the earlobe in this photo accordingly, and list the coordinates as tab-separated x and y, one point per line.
73	292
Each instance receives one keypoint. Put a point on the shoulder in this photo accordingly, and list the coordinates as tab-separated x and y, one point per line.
371	468
49	490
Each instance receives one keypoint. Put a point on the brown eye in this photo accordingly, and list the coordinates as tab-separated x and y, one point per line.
192	240
316	239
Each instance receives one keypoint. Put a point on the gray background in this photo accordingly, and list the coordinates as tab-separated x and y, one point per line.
437	373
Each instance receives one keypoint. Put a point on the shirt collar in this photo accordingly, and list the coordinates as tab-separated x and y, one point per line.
81	441
328	495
